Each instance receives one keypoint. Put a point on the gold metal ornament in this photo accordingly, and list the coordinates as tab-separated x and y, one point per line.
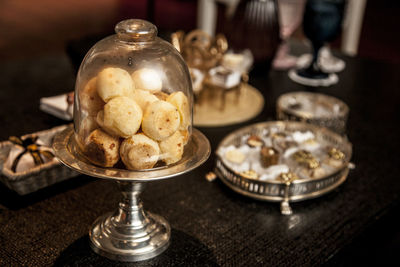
203	52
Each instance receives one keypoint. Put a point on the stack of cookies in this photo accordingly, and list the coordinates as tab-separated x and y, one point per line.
127	116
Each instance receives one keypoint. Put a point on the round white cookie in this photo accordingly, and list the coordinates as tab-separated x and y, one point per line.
172	148
180	101
100	122
114	82
139	152
143	98
122	116
160	120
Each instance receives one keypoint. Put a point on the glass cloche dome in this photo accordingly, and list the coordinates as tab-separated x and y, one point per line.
133	100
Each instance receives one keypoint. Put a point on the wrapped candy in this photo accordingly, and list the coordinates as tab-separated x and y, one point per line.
27	153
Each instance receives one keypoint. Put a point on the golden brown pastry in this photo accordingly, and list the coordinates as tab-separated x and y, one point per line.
122	116
101	148
139	152
180	101
160	120
114	82
335	158
100	122
172	148
143	98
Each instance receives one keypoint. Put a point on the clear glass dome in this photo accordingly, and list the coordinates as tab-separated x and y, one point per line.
133	100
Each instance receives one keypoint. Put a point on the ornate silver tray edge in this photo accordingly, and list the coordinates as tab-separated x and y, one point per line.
274	190
263	190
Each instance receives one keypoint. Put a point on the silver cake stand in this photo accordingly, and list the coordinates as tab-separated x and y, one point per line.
130	233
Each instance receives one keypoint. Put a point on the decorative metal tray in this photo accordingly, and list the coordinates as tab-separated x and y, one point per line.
242	179
319	109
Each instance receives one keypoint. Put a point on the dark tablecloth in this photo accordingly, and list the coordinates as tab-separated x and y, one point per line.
211	225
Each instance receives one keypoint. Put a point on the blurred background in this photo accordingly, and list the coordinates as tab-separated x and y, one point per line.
29	28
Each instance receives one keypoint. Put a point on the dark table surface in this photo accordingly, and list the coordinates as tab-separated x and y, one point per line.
211	225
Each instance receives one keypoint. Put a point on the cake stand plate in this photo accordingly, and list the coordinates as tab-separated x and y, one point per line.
130	233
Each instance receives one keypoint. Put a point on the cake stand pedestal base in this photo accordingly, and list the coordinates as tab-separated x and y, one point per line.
130	234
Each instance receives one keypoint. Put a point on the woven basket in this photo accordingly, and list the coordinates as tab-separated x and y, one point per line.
38	177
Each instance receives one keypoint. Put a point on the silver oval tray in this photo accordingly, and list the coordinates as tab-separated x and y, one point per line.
319	109
274	189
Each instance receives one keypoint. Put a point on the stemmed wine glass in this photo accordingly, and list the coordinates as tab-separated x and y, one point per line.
322	23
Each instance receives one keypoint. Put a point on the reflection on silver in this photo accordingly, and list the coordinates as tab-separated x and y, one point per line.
130	233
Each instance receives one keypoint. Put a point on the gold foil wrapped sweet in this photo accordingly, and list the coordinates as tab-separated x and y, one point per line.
287	177
335	157
336	154
306	159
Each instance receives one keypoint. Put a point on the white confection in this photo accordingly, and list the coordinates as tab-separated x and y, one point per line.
310	146
267	141
257	167
276	170
240	62
300	137
224	78
244	149
222	150
235	156
197	79
232	61
245	166
290	151
265	177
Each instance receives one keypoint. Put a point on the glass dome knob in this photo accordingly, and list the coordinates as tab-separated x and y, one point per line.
136	30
